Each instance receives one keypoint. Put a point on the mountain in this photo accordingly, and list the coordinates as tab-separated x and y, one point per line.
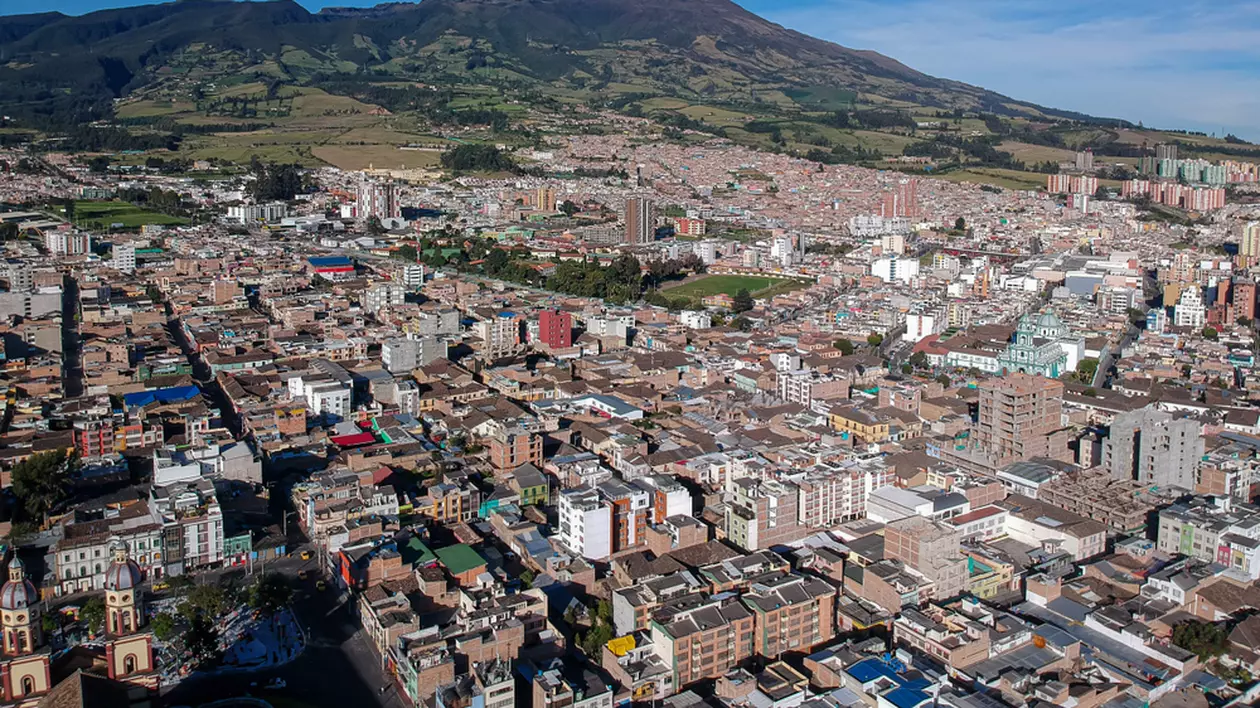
64	70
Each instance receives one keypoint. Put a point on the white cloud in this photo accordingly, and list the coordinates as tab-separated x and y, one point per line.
1186	65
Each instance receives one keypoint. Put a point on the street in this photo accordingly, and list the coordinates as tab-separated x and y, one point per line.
338	667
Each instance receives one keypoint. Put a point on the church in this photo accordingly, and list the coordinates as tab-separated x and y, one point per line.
1042	346
123	669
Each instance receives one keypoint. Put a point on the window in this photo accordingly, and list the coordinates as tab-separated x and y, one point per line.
28	685
129	664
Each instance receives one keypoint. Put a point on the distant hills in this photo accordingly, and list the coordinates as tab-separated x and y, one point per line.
59	70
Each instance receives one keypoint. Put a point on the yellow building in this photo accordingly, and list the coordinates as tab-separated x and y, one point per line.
859	424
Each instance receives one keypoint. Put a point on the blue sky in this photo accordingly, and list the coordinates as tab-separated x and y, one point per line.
1190	64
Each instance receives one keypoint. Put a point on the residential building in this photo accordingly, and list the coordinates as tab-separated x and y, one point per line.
792	613
703	636
586	523
1018	415
555	329
515	447
1154	447
639	220
763	513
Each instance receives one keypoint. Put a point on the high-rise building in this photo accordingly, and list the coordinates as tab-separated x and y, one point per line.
412	276
639	221
125	257
501	335
1249	244
1244	299
1018	414
1190	310
555	329
64	242
383	295
902	201
545	199
1166	151
1085	160
1154	447
378	199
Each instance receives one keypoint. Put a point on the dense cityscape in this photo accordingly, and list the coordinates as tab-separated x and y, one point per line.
721	427
464	399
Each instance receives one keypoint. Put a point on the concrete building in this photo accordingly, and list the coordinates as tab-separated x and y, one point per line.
65	242
515	447
500	334
327	389
250	213
792	613
383	295
931	549
1190	310
192	525
1154	447
702	636
124	257
405	355
1018	415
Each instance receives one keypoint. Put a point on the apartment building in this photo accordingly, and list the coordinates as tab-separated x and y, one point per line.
1018	414
192	525
586	523
792	613
514	447
831	493
763	513
931	549
1154	447
702	636
1213	530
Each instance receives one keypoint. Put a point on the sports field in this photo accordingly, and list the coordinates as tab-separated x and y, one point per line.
102	215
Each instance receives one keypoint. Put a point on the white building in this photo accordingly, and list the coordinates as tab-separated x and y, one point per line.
378	199
404	355
894	268
250	213
413	276
585	523
61	242
1190	311
327	389
919	326
693	319
125	257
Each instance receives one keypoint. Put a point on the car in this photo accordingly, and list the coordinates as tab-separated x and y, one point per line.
276	683
321	585
160	586
307	555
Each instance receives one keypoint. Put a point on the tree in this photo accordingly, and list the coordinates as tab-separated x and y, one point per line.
92	614
875	339
374	226
1205	639
68	206
845	346
1086	370
1210	333
270	594
960	224
743	301
919	360
207	600
202	640
944	380
1101	194
406	252
568	208
42	481
1090	392
527	578
907	369
163	626
9	231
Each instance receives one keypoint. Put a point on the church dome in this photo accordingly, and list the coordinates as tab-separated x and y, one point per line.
123	573
19	593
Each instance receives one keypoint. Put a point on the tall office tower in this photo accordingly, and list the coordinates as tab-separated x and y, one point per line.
1166	151
1154	447
379	199
1018	414
902	202
639	226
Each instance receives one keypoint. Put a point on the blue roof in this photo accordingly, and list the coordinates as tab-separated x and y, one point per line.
906	697
161	395
868	670
329	261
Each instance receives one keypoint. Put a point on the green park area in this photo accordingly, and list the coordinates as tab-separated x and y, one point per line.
102	216
758	286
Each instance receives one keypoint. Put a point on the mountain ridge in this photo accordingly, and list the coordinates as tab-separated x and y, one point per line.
58	67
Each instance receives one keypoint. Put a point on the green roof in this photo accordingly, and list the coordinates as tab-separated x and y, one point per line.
416	553
460	558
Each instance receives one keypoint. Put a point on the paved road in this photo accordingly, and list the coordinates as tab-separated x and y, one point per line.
338	667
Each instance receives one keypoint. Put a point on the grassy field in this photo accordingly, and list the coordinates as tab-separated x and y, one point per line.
758	286
102	215
381	157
